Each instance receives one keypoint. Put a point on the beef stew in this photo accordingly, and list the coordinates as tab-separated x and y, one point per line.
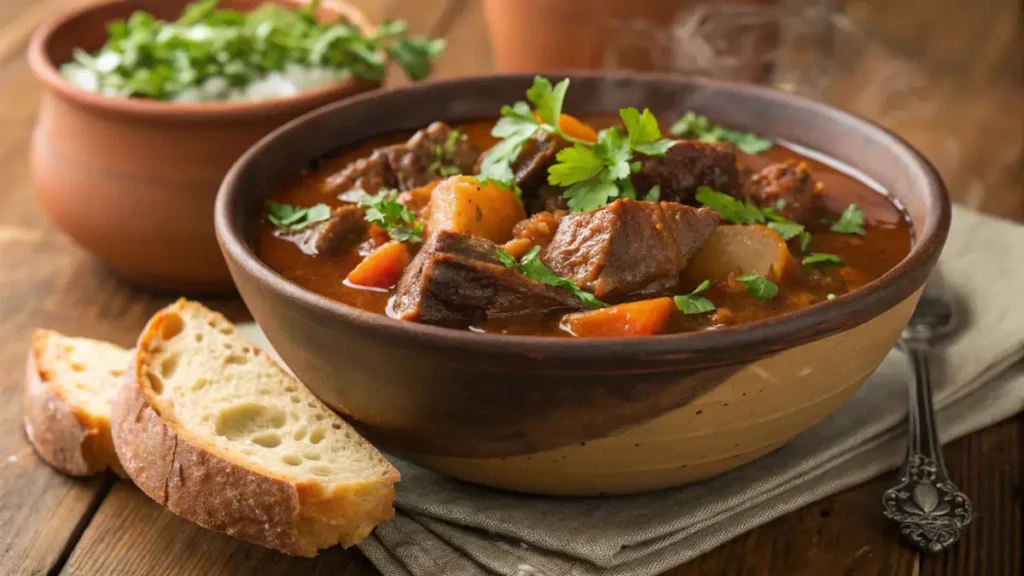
583	227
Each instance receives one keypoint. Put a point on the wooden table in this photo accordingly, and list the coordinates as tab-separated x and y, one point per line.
50	523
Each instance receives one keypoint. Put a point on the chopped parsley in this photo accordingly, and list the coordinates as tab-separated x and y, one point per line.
700	128
819	258
289	217
146	57
761	287
654	194
694	303
531	267
443	153
851	221
384	210
746	212
594	173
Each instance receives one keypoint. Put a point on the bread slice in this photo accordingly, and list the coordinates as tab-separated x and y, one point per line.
69	386
211	427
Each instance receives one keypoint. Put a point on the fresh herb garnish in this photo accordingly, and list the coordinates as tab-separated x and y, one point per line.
594	172
289	217
821	258
851	221
598	173
699	127
654	194
212	54
761	287
384	210
518	124
444	153
731	209
694	303
531	267
746	212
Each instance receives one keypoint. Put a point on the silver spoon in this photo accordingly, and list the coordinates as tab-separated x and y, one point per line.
930	509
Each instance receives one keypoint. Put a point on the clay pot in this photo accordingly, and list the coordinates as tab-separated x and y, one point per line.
662	35
133	181
580	416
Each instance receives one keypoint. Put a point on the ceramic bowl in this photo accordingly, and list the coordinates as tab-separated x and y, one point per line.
582	416
133	181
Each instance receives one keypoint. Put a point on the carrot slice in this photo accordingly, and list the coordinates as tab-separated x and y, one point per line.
382	267
643	318
574	127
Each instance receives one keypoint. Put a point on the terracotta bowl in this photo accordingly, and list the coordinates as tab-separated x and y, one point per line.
133	181
596	416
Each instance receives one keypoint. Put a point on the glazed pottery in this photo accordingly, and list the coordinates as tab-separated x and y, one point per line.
582	416
133	181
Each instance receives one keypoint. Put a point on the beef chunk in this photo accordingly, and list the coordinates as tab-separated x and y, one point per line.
366	174
344	229
531	169
628	247
686	166
422	159
430	154
788	187
457	280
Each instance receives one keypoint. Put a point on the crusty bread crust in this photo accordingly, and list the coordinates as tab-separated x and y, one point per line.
69	439
218	490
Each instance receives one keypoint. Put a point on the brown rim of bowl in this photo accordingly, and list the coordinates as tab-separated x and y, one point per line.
46	72
758	337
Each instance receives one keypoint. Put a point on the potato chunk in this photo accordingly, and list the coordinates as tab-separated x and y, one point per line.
462	204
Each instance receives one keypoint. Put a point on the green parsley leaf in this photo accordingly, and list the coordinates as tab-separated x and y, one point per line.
788	230
700	128
731	209
805	240
761	287
613	147
591	194
693	303
384	210
575	164
532	267
850	222
654	194
547	99
821	258
644	133
213	54
289	217
443	153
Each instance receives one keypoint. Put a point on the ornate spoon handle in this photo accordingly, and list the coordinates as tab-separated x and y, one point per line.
931	510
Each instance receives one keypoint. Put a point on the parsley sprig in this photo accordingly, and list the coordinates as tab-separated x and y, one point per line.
699	127
290	217
206	47
444	153
384	210
694	303
821	259
531	267
598	173
594	172
746	212
762	288
851	221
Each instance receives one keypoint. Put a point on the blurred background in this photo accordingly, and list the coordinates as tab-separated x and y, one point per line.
947	75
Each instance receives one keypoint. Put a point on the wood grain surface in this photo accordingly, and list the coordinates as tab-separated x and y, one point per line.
53	524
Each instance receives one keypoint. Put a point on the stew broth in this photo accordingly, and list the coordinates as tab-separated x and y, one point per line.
887	240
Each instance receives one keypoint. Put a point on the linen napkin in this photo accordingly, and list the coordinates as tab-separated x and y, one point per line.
446	527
